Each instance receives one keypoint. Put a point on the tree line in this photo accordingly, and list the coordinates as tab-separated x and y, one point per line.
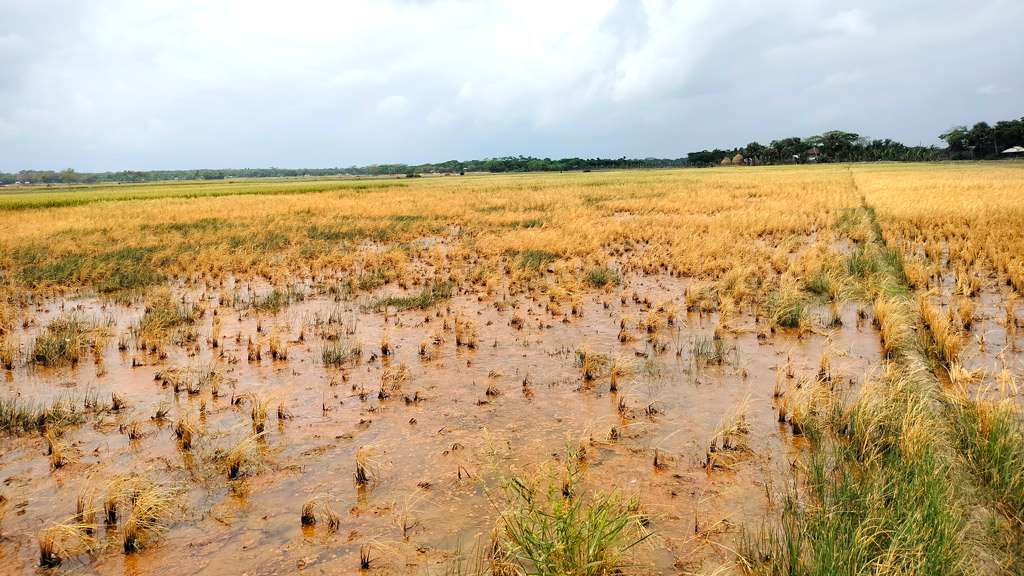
981	141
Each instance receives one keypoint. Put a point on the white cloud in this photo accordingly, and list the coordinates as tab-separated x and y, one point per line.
991	89
852	22
8	131
393	105
842	78
122	84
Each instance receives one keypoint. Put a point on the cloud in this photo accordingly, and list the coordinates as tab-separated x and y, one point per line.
852	22
143	85
842	78
393	105
991	90
8	131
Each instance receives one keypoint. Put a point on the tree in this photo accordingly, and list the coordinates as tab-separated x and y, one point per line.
494	165
703	158
754	150
788	150
68	176
1009	133
837	146
956	139
981	139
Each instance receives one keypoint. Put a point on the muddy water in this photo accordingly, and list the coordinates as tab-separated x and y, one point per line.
992	345
433	459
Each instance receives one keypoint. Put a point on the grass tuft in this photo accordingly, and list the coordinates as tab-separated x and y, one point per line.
564	529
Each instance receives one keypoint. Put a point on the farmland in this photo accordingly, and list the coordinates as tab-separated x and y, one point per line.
768	370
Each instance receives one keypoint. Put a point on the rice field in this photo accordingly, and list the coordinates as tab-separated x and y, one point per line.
747	370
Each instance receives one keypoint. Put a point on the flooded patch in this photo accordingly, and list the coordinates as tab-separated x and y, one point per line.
402	423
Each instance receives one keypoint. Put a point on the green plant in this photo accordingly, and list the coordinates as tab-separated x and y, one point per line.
340	352
428	296
711	350
602	276
875	493
66	340
786	306
565	530
163	318
534	260
990	438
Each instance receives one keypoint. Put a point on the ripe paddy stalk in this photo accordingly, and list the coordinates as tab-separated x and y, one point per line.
392	380
884	447
215	333
308	516
642	210
260	409
244	457
622	368
118	401
591	363
466	333
942	340
8	352
364	471
49	555
55	446
149	508
186	430
728	444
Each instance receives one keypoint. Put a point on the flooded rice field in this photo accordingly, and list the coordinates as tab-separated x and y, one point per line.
373	380
464	393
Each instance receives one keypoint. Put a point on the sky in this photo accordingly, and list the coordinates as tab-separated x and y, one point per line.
181	84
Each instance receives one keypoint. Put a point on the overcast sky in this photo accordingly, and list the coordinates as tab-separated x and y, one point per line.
113	85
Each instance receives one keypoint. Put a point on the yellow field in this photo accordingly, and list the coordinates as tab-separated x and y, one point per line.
686	333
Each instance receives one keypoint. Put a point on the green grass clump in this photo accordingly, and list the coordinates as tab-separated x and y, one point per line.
367	281
127	268
80	195
819	283
601	276
710	350
861	263
162	318
430	295
849	218
340	352
566	530
990	438
786	307
527	223
535	259
271	302
395	227
18	416
876	495
66	340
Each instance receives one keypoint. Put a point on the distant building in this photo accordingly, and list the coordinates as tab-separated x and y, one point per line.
812	154
1014	152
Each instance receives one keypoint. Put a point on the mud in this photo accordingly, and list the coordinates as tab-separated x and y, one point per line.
465	417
